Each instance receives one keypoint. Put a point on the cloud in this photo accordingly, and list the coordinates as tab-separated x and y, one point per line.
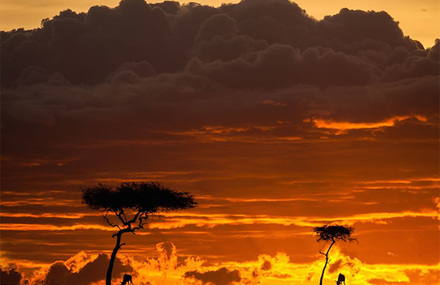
281	66
130	72
345	265
170	70
279	268
83	270
350	26
10	275
220	25
222	276
167	255
87	47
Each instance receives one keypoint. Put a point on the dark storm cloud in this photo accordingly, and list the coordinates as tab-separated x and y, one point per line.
130	72
374	103
93	271
87	47
184	67
10	276
350	26
281	65
221	276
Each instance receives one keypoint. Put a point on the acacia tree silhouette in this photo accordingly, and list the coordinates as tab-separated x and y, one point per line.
131	203
332	234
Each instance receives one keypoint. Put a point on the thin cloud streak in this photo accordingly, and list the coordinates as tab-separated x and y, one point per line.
49	227
73	216
210	221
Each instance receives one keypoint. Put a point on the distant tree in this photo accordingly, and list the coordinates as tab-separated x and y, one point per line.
332	234
131	203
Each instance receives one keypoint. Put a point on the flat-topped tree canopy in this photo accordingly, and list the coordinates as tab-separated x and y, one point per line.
334	232
146	197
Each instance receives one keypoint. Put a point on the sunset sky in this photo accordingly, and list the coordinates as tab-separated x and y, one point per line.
275	118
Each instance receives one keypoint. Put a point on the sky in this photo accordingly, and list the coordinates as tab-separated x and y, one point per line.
277	122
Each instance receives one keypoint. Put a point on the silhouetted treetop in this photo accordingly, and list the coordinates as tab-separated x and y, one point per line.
147	197
333	233
132	202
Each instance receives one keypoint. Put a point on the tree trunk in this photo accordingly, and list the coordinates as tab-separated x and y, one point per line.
326	262
108	279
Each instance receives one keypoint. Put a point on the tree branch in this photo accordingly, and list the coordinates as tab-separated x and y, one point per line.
135	217
121	216
125	230
138	218
108	221
137	228
142	216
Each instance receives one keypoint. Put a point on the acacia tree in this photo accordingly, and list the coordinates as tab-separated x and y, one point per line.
131	203
332	234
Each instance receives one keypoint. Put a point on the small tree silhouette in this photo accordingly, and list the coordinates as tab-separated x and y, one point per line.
332	234
131	203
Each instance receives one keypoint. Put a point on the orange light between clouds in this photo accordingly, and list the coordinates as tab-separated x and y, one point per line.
212	220
175	220
328	124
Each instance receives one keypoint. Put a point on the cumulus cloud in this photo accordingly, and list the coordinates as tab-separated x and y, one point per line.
81	269
185	69
281	66
167	258
164	270
345	264
87	47
222	276
10	275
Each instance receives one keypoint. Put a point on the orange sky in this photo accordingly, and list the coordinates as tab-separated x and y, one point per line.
275	122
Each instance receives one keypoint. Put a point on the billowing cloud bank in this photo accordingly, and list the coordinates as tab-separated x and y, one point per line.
276	122
273	43
169	268
255	68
